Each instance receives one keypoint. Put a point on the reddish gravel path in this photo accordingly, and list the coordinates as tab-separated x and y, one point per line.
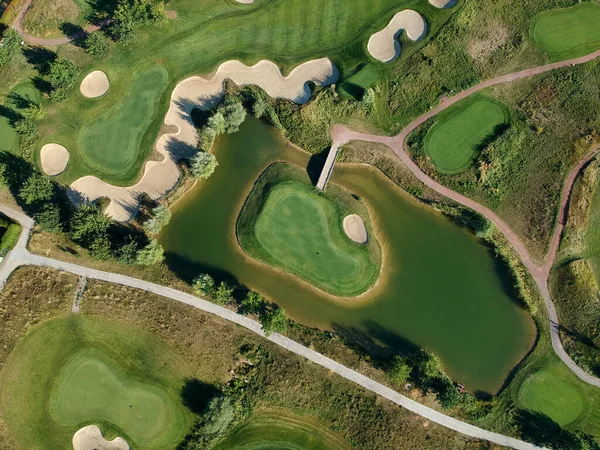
43	41
341	135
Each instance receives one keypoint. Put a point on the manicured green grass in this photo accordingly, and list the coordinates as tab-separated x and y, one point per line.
568	33
459	133
546	392
76	371
9	139
363	78
110	144
278	429
288	224
208	33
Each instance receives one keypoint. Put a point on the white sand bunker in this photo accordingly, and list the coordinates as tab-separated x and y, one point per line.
245	2
54	159
384	44
90	438
443	3
196	92
355	228
95	84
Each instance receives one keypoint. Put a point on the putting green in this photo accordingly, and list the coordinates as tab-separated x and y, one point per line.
568	33
71	372
280	430
300	231
17	99
110	144
455	139
546	392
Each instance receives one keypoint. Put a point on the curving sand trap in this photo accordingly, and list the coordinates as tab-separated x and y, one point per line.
355	228
196	92
443	3
384	44
90	438
54	159
95	84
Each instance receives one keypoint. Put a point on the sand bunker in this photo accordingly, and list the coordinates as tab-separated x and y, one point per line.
54	159
384	44
245	2
90	438
160	177
355	228
95	84
443	3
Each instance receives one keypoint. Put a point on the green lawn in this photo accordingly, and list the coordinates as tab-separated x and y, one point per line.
286	223
204	35
26	92
568	33
71	372
356	84
459	133
110	144
278	429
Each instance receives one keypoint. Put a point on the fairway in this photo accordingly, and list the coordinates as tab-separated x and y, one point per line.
278	429
568	33
456	138
546	392
16	101
297	229
110	144
77	371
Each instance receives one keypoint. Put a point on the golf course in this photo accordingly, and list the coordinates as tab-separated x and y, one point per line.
19	98
82	370
461	132
300	231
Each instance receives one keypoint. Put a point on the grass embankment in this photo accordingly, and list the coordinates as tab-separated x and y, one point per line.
568	33
110	143
17	100
287	223
462	131
327	408
205	35
51	379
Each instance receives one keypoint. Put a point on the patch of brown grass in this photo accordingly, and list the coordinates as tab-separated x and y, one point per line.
44	17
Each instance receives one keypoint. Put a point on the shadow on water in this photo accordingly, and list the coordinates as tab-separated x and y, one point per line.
315	166
196	395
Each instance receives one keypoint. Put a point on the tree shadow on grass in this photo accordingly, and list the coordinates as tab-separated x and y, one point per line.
40	58
196	395
74	32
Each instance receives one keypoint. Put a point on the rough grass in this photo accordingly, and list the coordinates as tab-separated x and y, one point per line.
45	17
462	131
110	143
51	381
568	33
286	223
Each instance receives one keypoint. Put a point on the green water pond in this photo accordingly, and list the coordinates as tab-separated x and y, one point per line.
440	288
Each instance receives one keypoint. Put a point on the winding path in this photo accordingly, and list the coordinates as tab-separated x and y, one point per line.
540	272
20	256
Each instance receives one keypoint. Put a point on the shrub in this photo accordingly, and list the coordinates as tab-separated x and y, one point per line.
10	46
87	223
274	320
34	112
161	217
37	188
10	238
224	293
448	394
96	45
127	253
48	218
399	371
151	254
130	15
253	302
203	284
100	248
63	73
203	165
26	128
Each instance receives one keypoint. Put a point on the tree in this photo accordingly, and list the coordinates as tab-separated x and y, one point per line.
9	45
151	254
87	223
34	112
48	218
63	73
399	371
216	124
161	216
100	247
259	108
432	366
96	45
233	112
130	15
253	302
37	188
127	253
203	284
26	128
448	394
224	293
274	320
203	165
